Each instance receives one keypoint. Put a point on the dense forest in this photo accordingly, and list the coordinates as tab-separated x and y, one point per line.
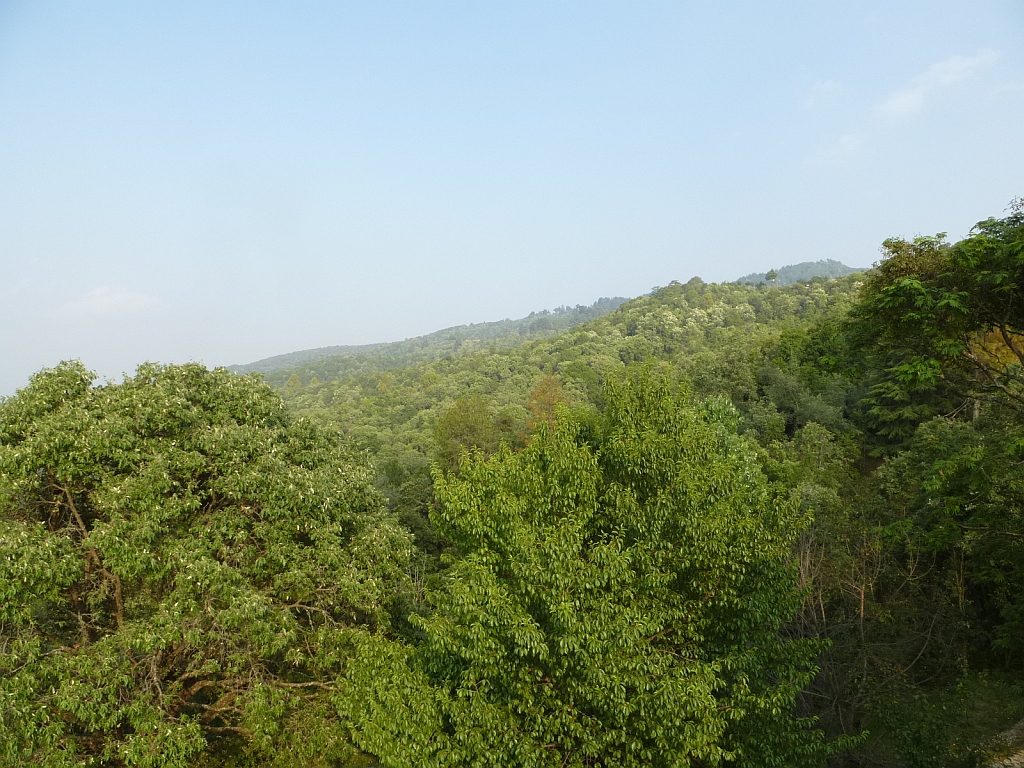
794	273
747	524
334	362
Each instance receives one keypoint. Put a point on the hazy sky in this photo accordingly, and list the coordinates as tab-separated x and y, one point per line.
226	181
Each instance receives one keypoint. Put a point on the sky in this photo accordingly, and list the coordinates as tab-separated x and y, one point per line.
222	182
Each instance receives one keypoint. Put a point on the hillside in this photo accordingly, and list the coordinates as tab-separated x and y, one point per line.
797	508
805	270
332	362
808	389
703	330
329	363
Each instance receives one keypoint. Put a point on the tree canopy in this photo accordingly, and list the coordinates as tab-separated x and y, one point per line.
616	601
179	558
723	524
941	322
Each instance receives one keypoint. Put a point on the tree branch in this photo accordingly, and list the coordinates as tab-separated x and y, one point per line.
1009	342
325	686
113	577
228	729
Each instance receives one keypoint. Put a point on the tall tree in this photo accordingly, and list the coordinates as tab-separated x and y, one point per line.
943	325
179	560
544	401
617	602
467	426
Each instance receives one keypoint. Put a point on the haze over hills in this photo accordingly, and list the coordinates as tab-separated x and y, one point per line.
340	361
697	457
794	273
447	340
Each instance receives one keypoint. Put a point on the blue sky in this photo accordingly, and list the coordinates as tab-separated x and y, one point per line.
225	181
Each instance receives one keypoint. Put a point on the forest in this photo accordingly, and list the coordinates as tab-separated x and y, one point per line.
753	524
794	273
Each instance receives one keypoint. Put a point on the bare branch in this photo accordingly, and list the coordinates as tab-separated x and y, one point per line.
1009	342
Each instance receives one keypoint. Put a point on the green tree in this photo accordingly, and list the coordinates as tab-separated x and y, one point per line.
943	324
617	602
962	486
544	401
293	386
467	426
179	562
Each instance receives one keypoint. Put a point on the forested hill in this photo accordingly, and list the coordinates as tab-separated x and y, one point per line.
331	362
814	373
724	524
326	363
805	270
717	335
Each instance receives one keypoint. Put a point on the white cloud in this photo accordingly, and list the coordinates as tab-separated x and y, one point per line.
943	74
839	151
108	302
848	144
821	93
1008	89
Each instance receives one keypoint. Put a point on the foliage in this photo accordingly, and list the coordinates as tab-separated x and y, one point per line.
942	323
179	561
844	482
719	335
335	362
794	273
616	601
469	426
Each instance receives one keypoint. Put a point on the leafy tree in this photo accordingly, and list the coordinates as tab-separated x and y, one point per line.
962	486
467	426
179	561
806	270
294	384
942	323
617	601
544	401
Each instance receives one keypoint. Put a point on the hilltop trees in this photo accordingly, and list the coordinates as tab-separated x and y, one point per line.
915	564
179	559
943	324
605	571
945	328
616	601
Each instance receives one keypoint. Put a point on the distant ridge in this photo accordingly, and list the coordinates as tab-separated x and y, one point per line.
338	361
447	340
805	270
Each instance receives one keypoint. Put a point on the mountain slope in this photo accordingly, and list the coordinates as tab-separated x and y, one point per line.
335	362
708	331
805	270
330	363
